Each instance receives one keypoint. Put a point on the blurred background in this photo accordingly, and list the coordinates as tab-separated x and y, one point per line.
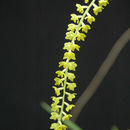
32	37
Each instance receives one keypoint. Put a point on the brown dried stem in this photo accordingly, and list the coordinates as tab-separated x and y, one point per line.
101	73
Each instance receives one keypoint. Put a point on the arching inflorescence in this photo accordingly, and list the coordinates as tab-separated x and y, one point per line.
64	82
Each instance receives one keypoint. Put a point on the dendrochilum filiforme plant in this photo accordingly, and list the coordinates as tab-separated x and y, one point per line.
64	82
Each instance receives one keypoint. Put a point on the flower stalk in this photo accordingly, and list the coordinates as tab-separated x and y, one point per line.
64	82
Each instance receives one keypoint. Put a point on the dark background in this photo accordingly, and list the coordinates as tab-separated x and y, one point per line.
32	37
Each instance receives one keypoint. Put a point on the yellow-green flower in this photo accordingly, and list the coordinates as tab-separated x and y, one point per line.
71	86
69	107
63	63
80	36
79	8
72	65
97	9
86	1
54	126
69	56
58	81
54	116
71	76
67	117
57	91
71	96
90	19
72	27
60	73
55	99
74	18
69	35
85	28
103	2
54	107
62	127
70	46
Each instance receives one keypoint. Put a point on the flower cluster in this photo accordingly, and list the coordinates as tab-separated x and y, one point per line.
64	82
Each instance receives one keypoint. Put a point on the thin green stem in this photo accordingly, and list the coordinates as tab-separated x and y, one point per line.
64	90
